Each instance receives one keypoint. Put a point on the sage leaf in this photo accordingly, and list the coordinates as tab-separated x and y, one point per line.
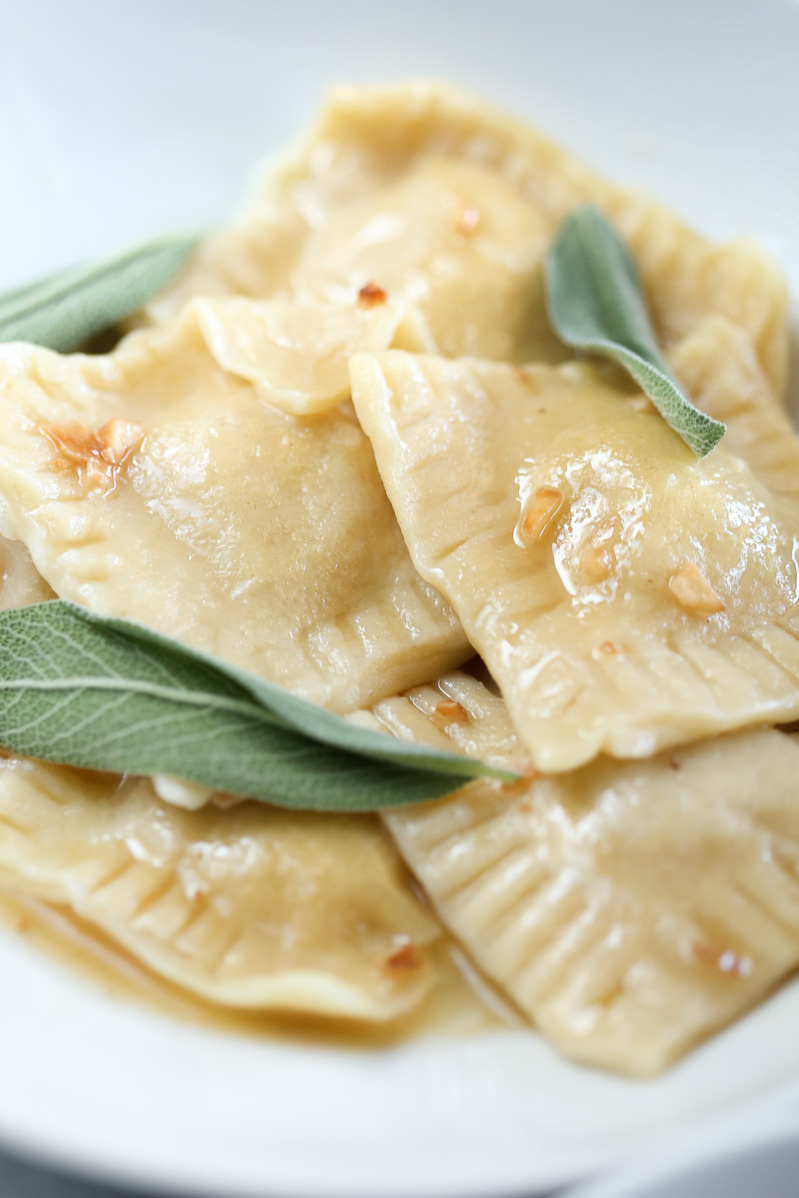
66	309
595	303
107	694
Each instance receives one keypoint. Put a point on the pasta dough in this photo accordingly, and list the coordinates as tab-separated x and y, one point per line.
629	909
295	355
720	370
626	595
437	196
162	483
250	906
211	478
20	583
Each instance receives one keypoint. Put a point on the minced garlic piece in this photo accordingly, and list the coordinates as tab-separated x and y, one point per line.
370	295
597	560
97	454
120	436
448	711
404	959
545	506
693	591
181	793
467	219
596	563
109	444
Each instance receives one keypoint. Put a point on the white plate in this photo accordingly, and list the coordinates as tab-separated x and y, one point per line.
123	121
735	1160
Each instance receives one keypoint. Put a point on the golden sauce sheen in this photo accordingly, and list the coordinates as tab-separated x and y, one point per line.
461	1003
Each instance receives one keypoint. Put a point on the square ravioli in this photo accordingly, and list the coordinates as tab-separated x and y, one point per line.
429	193
247	906
240	904
629	909
626	595
174	482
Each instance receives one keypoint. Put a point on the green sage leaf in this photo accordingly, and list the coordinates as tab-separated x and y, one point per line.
99	693
595	303
66	309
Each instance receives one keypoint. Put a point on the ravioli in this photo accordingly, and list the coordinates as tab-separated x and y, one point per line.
295	355
629	909
212	479
456	710
434	195
20	582
163	484
720	370
251	907
626	595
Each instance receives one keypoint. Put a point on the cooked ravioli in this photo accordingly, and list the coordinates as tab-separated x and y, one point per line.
159	483
295	355
20	582
434	195
629	909
457	709
250	906
719	368
211	478
625	594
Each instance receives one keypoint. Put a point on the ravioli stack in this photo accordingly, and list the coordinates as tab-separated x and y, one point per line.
347	451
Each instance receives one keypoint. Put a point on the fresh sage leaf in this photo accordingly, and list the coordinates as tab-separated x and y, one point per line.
66	309
595	303
106	694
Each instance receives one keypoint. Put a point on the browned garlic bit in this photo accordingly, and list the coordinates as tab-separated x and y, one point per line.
545	506
449	712
350	499
467	219
371	295
403	959
597	561
96	454
693	591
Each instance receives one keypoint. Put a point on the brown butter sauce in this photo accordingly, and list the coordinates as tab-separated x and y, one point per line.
461	1003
